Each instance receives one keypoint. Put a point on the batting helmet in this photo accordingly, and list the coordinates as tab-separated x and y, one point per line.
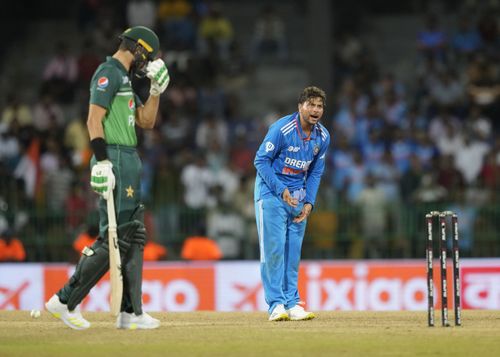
143	43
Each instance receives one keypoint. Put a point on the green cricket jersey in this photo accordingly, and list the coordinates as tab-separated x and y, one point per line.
111	89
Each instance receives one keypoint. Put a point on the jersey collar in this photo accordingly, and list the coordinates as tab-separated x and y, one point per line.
117	64
301	133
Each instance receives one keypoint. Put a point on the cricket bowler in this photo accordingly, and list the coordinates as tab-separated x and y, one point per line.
289	162
114	111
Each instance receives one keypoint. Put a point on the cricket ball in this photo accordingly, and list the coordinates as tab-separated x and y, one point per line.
35	314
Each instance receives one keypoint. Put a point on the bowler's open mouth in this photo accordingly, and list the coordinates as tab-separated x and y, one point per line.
315	116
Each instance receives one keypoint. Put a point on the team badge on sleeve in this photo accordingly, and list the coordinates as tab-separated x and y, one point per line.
102	82
131	104
269	146
316	150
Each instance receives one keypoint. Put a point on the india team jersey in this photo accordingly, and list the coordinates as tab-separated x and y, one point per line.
111	89
288	159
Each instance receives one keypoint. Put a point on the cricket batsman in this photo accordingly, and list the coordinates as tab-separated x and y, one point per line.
114	111
289	162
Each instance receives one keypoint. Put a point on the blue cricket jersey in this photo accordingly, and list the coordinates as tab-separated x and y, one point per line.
288	159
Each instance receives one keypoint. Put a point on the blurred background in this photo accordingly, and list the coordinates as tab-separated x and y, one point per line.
413	108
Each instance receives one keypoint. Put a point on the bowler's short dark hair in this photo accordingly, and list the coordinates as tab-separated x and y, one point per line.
312	92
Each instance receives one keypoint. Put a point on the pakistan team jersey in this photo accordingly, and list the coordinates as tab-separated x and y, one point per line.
111	89
288	159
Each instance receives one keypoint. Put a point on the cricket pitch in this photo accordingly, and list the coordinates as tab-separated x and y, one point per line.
332	333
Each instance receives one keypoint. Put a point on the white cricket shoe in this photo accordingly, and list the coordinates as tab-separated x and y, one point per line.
298	313
133	321
73	319
279	313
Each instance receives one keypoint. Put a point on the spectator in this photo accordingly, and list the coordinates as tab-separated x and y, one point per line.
431	40
227	228
60	74
76	139
490	172
225	183
211	129
429	191
479	125
154	251
212	100
27	170
103	34
483	83
469	158
15	111
76	207
356	178
178	27
217	157
401	149
373	209
11	248
373	150
47	114
466	40
393	109
410	180
386	177
87	13
269	36
215	33
446	90
10	152
167	190
141	13
86	238
50	158
467	213
488	29
341	162
176	131
448	176
57	179
241	155
200	247
439	126
197	181
245	208
182	95
350	50
424	148
345	122
87	63
388	83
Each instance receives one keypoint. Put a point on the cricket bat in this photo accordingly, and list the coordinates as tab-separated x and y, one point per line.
115	265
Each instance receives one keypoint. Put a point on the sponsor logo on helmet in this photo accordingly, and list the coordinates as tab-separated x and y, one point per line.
131	104
103	82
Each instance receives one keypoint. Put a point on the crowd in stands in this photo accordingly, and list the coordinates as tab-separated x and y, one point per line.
432	142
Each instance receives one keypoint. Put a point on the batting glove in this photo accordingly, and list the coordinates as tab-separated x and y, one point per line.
158	73
102	179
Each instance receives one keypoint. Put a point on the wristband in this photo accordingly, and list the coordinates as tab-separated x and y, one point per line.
99	147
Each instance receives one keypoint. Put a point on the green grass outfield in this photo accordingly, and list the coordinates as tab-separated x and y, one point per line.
250	334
